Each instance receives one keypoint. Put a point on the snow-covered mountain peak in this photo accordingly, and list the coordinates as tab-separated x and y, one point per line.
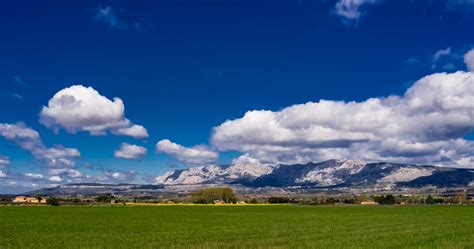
213	174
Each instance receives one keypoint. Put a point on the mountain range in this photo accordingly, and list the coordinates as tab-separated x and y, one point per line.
327	174
345	175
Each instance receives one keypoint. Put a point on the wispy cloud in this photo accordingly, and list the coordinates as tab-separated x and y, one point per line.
445	59
109	16
350	11
17	96
18	80
439	54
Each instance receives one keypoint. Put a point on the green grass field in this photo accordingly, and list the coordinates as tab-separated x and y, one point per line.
237	227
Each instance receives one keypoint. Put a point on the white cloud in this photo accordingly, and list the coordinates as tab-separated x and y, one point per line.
2	174
194	156
34	175
469	60
426	125
30	140
4	161
351	10
55	179
130	151
79	108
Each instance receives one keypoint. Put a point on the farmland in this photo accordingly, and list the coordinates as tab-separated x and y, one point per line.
258	226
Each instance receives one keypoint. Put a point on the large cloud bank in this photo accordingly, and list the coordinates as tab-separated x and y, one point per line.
425	125
197	155
79	108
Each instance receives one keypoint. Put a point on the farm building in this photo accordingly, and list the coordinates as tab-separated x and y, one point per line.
26	199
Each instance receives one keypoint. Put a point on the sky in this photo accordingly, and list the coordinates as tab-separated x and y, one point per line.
124	91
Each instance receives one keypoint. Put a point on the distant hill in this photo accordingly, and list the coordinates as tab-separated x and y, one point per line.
88	189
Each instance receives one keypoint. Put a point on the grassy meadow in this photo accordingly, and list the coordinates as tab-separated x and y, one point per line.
259	226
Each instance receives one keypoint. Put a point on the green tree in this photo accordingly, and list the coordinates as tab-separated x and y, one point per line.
53	201
104	198
39	197
209	195
429	200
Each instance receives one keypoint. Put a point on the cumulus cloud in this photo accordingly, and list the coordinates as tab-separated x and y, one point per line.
469	60
79	108
30	140
130	151
351	10
2	174
197	155
425	125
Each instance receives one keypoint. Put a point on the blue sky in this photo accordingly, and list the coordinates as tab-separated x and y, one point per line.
183	67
